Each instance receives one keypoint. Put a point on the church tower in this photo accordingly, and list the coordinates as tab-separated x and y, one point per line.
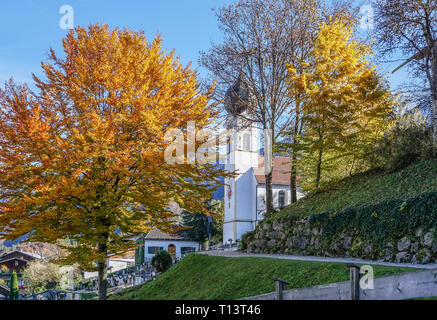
242	154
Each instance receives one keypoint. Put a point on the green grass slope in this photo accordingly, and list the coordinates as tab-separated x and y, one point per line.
367	189
218	278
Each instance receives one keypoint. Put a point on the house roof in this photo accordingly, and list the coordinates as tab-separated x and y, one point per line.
12	259
157	234
281	171
4	291
31	256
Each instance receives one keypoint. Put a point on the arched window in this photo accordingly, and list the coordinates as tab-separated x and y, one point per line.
281	199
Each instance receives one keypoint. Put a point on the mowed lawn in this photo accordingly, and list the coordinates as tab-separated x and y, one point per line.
204	277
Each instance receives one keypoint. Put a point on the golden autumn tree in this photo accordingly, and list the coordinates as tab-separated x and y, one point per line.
83	159
345	103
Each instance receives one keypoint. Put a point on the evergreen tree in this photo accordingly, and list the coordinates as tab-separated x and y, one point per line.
139	252
197	223
14	287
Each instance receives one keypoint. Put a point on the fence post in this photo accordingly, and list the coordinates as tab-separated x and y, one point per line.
280	285
355	281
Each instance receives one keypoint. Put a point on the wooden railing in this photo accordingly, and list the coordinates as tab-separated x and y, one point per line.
408	285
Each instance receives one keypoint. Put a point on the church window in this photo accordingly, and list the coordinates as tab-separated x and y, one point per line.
246	142
281	199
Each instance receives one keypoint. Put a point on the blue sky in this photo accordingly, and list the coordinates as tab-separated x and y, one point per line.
28	28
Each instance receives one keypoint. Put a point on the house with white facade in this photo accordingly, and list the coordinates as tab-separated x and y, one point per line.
176	244
245	193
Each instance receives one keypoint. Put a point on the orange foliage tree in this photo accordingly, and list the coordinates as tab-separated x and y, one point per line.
83	159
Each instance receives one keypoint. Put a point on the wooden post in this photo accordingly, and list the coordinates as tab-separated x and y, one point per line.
355	281
280	285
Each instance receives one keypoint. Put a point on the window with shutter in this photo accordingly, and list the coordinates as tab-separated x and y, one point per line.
154	250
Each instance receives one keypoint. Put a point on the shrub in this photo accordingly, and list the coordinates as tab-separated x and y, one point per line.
162	261
41	276
87	296
407	141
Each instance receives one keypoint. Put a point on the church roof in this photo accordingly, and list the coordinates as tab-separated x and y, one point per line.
281	171
237	97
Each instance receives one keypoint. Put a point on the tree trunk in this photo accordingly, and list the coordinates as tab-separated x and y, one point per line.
434	124
268	168
269	194
102	269
293	175
319	169
293	186
434	98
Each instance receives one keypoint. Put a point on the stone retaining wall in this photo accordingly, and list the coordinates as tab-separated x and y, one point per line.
300	237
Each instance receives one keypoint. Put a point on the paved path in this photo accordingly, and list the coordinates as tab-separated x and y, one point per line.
238	254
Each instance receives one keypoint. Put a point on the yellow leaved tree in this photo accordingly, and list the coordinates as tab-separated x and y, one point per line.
346	105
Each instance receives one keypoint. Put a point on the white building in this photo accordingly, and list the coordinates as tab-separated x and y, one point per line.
175	244
245	194
113	265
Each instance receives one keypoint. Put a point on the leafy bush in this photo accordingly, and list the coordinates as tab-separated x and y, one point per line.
381	222
87	295
41	276
407	141
162	261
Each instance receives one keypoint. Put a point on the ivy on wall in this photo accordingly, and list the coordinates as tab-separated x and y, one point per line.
383	221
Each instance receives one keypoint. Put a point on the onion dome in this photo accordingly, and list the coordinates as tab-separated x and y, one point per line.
237	98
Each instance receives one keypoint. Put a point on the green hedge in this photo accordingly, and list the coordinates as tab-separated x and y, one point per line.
381	222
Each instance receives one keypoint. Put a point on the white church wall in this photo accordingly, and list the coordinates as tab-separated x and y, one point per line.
228	232
242	228
262	196
236	225
246	160
229	208
246	188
